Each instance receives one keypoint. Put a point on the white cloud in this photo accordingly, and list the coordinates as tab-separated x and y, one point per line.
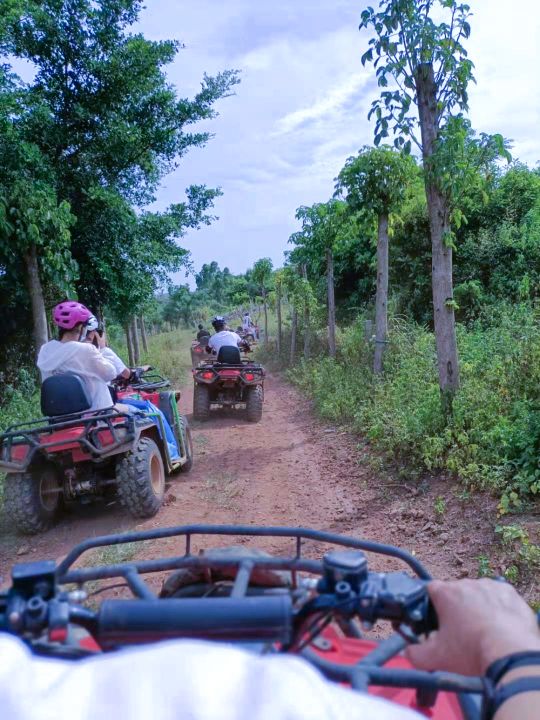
332	102
302	106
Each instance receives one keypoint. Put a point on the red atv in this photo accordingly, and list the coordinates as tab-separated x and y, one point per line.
198	352
76	455
316	608
228	381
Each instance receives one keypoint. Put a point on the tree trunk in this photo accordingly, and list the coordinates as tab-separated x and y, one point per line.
278	312
331	303
441	252
307	322
381	300
265	318
129	343
35	290
135	337
143	334
294	330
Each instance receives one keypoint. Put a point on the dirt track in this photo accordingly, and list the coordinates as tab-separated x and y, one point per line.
288	470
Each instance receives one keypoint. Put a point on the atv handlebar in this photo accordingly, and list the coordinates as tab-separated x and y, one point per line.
260	619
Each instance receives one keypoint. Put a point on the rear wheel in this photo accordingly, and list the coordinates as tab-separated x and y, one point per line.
186	467
141	479
201	402
254	403
32	499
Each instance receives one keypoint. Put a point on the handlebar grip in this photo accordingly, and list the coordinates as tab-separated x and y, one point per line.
262	619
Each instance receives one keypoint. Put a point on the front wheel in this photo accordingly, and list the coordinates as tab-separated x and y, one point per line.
254	403
141	479
201	402
32	499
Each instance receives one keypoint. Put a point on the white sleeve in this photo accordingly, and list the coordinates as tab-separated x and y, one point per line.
95	364
211	341
112	357
182	680
237	338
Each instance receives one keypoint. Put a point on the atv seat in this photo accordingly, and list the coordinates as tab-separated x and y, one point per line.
64	394
229	355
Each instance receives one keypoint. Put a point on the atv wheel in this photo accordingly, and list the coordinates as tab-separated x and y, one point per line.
141	479
201	402
186	467
32	499
254	403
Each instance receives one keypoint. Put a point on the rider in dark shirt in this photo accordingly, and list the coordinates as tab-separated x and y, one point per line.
202	332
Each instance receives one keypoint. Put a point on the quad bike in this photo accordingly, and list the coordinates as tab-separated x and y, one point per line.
228	381
315	608
73	455
198	352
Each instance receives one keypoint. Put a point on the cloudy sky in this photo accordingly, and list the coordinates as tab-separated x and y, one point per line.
301	108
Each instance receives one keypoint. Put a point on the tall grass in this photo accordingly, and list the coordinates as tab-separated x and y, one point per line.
492	439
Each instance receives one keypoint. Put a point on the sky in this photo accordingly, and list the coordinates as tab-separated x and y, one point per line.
301	108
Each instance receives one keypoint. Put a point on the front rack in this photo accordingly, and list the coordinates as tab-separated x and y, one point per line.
65	573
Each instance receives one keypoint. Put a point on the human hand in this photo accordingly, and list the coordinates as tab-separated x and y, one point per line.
479	622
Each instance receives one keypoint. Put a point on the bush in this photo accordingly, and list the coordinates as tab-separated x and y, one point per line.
493	437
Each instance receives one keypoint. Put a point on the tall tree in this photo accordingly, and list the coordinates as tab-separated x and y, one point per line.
279	285
108	124
427	64
376	181
262	275
325	226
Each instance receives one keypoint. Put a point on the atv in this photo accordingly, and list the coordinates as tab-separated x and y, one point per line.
228	381
75	455
314	606
198	352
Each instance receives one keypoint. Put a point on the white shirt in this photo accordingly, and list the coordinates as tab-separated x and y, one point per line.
112	357
246	322
177	680
225	338
83	359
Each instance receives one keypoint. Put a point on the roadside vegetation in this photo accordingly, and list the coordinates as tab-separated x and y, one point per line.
408	310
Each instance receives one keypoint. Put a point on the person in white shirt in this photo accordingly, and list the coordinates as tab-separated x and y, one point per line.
223	337
246	322
71	354
479	621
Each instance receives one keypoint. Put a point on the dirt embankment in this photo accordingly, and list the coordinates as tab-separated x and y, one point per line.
291	469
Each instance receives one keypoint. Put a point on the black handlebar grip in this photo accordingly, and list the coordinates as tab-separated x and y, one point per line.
261	619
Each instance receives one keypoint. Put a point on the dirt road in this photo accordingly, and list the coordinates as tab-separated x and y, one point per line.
290	469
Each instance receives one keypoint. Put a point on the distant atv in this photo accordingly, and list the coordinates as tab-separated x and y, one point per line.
76	455
229	381
198	352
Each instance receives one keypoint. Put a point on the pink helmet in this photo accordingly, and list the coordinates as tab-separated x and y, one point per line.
69	313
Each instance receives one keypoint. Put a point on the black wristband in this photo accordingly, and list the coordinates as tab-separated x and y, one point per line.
500	667
493	702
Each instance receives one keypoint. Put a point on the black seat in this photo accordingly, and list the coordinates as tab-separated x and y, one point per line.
229	355
64	395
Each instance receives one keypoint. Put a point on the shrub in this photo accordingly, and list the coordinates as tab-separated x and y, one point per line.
492	439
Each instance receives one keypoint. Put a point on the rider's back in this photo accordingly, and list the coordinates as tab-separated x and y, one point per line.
82	359
224	338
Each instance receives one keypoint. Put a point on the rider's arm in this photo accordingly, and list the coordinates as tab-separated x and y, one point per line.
96	364
121	368
481	621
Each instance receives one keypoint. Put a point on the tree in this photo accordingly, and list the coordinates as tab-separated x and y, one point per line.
376	181
262	275
325	228
428	64
108	125
279	284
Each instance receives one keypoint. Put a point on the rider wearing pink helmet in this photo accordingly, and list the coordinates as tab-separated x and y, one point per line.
70	313
70	354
